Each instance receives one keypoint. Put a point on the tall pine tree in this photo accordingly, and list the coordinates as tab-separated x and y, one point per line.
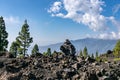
24	38
85	52
97	54
35	49
92	56
3	35
14	49
49	51
81	54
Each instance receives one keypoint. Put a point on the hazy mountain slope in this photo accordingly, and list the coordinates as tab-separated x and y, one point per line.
93	45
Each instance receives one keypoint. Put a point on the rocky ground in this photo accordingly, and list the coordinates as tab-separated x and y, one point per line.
57	68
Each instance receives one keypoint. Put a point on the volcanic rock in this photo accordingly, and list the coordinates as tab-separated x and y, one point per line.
68	48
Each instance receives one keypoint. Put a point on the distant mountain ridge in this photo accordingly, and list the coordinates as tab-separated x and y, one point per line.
92	44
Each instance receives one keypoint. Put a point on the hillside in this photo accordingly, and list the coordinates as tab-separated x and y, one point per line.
92	44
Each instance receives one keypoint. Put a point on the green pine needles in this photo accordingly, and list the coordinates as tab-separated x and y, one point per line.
3	35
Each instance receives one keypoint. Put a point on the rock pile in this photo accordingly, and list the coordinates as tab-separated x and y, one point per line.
67	48
60	68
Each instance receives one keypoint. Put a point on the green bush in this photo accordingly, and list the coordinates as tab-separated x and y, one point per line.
20	56
117	59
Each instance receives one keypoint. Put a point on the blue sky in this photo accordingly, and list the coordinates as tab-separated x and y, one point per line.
53	21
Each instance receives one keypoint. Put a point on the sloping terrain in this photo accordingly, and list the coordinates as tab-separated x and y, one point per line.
92	45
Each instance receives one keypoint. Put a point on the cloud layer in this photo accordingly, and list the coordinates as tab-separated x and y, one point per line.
87	12
116	8
10	21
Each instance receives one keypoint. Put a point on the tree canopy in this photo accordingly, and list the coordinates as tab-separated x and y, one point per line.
81	54
92	56
24	38
3	35
49	51
85	52
96	54
35	49
14	49
116	50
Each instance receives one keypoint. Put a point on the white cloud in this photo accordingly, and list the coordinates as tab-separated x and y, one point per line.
55	7
110	35
87	12
105	35
12	20
95	23
116	8
115	22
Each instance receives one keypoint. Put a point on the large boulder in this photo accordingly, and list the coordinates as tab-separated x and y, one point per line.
68	48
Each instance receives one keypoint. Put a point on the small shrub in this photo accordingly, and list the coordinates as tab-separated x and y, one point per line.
20	56
117	59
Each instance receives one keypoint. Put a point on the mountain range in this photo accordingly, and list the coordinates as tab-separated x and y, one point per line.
92	44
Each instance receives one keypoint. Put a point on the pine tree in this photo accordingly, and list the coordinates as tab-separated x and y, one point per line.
81	54
49	52
24	38
116	50
85	52
3	35
45	54
92	56
97	54
35	49
14	49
